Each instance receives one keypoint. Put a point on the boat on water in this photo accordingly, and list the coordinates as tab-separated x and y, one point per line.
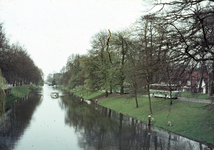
54	94
87	101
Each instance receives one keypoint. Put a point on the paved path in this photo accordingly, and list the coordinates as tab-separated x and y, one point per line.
193	100
179	98
196	100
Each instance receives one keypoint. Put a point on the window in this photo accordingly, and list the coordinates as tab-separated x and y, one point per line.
188	83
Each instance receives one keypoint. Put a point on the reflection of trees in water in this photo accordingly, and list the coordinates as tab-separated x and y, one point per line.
97	131
17	120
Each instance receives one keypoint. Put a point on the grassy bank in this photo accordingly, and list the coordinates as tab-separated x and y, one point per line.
18	92
188	119
82	92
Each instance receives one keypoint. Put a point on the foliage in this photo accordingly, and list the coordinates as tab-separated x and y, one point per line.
82	92
53	82
120	44
16	64
168	46
74	71
98	73
86	94
2	97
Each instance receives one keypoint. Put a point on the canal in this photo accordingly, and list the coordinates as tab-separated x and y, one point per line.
39	122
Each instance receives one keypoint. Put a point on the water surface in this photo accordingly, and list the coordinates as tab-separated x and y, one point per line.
41	123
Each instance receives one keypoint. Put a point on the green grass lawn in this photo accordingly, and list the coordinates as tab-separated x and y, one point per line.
10	99
62	87
18	92
82	92
195	95
188	119
87	95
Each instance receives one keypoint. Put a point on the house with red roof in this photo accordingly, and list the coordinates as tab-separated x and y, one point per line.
195	82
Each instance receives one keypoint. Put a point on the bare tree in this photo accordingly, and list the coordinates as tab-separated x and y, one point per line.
192	22
152	57
132	69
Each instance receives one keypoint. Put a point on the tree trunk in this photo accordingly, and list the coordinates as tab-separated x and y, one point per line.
136	98
200	84
170	86
211	77
121	89
135	92
13	82
106	93
191	84
201	79
170	97
110	87
150	105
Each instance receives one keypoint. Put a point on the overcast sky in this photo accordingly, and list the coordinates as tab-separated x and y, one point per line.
52	30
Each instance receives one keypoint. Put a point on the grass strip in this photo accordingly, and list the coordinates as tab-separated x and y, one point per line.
18	92
188	119
87	95
195	95
82	92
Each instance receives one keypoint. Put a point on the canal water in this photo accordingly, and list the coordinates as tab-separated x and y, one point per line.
39	122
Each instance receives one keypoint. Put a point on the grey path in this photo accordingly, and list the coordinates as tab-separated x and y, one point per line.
193	100
196	100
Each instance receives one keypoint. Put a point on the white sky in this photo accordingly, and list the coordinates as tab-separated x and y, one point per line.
52	30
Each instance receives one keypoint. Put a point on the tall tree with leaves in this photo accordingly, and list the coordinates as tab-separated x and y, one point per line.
120	44
74	69
2	97
99	61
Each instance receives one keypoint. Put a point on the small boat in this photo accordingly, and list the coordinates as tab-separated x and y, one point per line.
87	101
54	94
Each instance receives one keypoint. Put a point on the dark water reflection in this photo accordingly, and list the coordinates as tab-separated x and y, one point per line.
39	122
107	129
17	120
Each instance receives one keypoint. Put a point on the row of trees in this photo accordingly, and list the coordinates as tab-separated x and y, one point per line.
163	46
16	65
